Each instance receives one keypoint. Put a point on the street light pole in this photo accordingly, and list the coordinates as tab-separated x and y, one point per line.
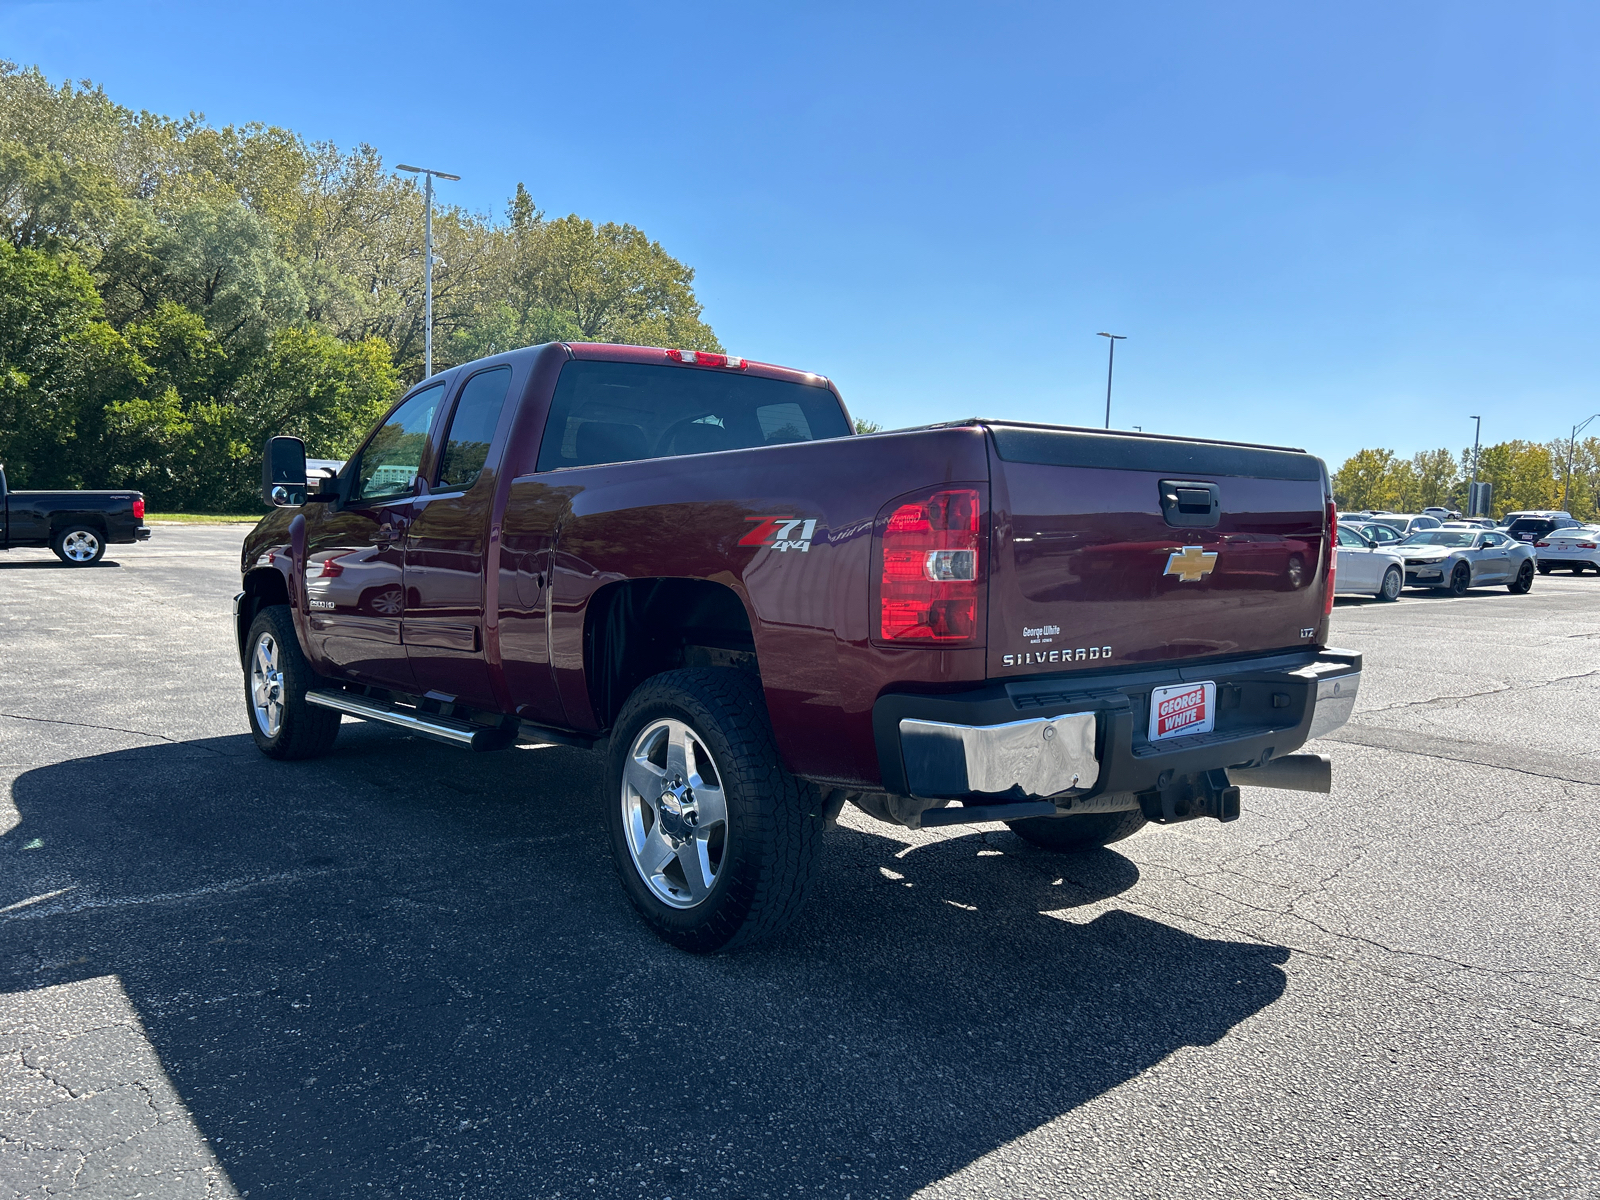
1111	362
427	259
1472	490
1566	487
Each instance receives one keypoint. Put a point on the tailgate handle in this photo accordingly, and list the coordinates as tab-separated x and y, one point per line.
1192	505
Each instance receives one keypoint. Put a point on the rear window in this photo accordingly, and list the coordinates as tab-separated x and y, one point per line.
605	412
1531	525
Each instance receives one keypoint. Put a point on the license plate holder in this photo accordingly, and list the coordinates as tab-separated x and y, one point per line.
1182	709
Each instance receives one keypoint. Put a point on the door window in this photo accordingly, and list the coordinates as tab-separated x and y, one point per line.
1350	541
393	454
472	427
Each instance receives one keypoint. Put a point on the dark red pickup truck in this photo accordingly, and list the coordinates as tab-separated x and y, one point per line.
689	563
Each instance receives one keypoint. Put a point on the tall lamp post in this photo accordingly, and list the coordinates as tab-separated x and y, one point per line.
1566	488
1111	362
1472	490
427	258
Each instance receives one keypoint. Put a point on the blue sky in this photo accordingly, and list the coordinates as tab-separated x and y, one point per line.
1332	226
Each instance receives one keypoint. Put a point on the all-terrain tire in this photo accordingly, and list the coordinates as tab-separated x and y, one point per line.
1523	583
1088	831
79	545
771	841
276	679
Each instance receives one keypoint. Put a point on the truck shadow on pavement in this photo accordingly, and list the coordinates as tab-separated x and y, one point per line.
404	967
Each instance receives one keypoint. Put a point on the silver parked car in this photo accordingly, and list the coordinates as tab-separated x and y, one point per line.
1457	559
1364	567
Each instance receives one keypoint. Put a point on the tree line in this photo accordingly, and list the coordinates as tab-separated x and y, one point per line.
172	292
1524	475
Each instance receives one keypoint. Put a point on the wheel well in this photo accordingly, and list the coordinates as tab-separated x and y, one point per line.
642	627
263	588
63	521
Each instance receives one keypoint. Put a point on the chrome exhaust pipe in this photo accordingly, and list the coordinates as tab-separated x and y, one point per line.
1292	772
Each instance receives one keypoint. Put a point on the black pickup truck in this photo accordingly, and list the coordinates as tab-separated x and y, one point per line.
78	526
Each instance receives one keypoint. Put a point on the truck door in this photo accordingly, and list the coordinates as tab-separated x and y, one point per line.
354	570
448	546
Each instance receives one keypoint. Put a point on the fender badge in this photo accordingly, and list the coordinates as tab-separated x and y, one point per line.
1191	564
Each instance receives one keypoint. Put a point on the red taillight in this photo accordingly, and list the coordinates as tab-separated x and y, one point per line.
932	569
1586	545
1333	557
138	508
1541	544
332	568
704	358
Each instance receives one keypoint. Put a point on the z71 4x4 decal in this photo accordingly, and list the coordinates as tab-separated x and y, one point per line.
781	533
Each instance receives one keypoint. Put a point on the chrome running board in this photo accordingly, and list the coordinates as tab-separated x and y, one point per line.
441	729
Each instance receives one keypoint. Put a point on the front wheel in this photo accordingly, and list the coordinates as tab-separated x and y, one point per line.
1393	580
276	679
714	842
1087	831
1460	580
79	545
1523	583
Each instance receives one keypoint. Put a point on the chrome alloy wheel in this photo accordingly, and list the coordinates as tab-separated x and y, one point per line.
674	813
266	685
80	546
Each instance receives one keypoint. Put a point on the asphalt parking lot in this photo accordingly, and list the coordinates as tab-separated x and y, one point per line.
406	971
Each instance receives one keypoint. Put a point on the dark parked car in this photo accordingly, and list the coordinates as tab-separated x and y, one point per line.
78	526
1530	527
689	563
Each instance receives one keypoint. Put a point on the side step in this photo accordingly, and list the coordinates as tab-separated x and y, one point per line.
440	729
970	813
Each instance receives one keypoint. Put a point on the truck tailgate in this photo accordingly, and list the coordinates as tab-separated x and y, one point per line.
1118	550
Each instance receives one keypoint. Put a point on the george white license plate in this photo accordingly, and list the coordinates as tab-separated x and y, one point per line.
1182	709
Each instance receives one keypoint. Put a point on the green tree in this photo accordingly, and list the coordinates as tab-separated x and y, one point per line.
1436	474
60	364
1362	482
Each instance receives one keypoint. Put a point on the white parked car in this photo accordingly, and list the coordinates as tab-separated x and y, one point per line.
1366	568
1406	524
1577	549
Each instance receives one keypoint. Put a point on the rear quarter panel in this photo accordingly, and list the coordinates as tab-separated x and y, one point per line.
809	611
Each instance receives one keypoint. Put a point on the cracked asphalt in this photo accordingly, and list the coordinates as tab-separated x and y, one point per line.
405	971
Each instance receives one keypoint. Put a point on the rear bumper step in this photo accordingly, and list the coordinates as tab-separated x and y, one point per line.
441	729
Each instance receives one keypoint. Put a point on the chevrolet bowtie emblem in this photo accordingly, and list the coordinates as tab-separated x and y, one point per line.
1191	564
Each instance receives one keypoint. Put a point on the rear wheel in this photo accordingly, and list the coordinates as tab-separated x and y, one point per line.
1460	580
1545	568
79	545
1393	580
1088	831
276	679
714	842
1523	583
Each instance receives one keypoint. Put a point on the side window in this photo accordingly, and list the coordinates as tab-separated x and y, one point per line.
782	423
1348	539
393	454
1493	539
472	427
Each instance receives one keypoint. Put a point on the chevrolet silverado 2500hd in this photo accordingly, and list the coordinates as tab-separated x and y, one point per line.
690	564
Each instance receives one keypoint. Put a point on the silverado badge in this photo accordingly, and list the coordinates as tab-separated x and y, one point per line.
1191	564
